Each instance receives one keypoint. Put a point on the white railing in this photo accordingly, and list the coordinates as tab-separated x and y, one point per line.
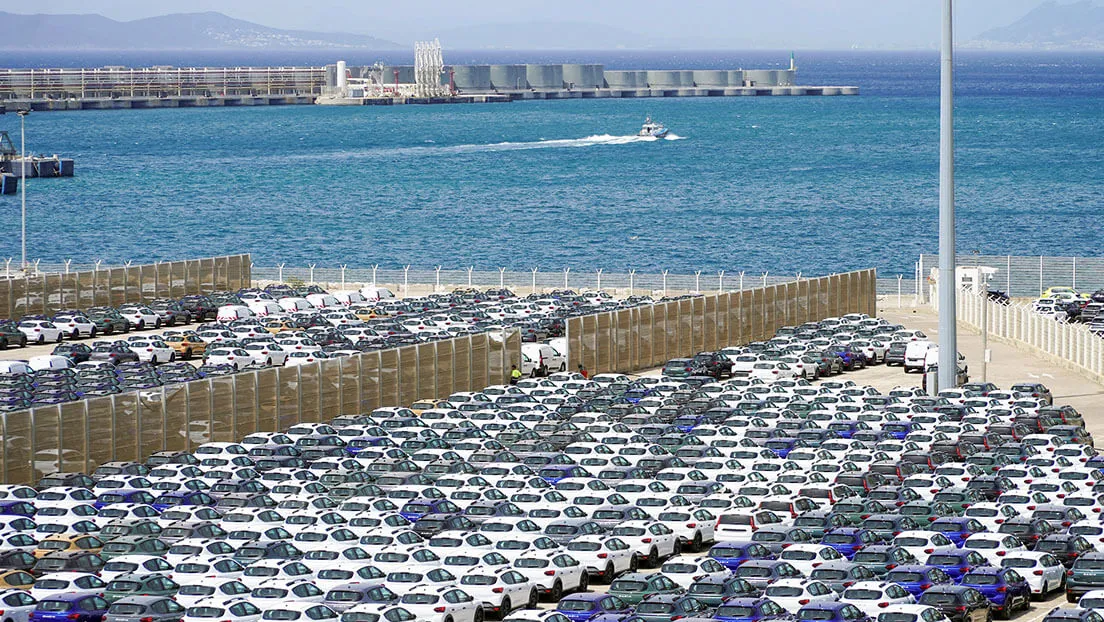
1072	343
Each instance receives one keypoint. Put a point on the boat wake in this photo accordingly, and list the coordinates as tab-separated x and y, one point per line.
589	141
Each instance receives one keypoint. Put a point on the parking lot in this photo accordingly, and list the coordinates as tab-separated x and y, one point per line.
559	485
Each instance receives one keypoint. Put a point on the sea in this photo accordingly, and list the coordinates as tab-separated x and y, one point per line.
770	184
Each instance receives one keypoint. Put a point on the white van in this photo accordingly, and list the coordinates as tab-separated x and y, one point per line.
229	313
543	358
15	368
263	308
295	304
373	293
49	361
916	355
350	298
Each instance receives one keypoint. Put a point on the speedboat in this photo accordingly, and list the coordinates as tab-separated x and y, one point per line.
654	129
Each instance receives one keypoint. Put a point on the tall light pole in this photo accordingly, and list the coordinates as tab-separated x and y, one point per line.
23	182
948	338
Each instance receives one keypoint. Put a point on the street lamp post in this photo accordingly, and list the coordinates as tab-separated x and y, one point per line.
948	338
23	182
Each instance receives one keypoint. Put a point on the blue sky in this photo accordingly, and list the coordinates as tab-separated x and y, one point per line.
773	24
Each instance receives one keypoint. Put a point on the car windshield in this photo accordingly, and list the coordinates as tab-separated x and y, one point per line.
938	598
624	585
815	614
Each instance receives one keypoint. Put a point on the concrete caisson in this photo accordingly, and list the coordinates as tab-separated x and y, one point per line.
760	77
405	75
545	76
509	77
710	78
665	79
583	76
472	78
622	79
736	77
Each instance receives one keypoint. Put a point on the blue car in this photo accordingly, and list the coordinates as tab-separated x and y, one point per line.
783	445
184	497
916	578
583	607
846	429
955	562
1004	587
732	553
750	610
832	612
849	540
124	495
16	507
70	607
957	528
898	429
555	473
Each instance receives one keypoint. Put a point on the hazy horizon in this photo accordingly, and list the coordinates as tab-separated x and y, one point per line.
738	24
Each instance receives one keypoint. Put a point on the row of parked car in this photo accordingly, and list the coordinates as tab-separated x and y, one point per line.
296	328
753	498
1068	305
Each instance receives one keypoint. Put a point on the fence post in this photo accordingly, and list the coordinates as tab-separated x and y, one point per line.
470	270
632	276
501	278
343	267
899	278
741	281
126	281
437	283
406	280
534	271
1074	273
312	273
280	274
697	281
599	271
7	272
765	278
374	268
1040	275
67	262
720	281
665	283
566	270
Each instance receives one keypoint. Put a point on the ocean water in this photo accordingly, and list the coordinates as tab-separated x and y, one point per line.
760	184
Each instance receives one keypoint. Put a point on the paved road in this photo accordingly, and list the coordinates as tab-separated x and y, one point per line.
22	354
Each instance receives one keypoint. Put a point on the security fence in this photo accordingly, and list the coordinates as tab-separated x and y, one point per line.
1025	277
79	436
643	337
1072	344
40	292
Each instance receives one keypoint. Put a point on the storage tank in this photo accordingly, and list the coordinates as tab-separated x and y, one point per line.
622	80
509	77
736	77
545	76
664	79
583	76
472	78
686	78
787	77
710	78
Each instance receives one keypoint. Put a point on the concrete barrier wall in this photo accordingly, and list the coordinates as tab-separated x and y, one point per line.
48	293
640	338
79	436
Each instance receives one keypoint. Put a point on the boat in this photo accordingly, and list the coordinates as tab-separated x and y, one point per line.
654	129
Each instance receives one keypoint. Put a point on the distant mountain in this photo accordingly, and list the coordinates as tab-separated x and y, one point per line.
1052	26
181	31
563	35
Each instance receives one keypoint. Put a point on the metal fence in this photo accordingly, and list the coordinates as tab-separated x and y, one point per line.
1025	277
1072	344
78	436
43	292
643	337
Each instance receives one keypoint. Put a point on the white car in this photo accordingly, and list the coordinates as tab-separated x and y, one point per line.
1093	599
773	370
273	592
604	557
990	514
61	582
651	540
236	609
140	317
694	527
553	573
303	358
152	351
911	613
920	542
235	357
499	590
993	546
17	605
75	326
191	593
872	597
1043	571
685	571
40	331
298	610
806	557
265	353
793	594
135	563
442	604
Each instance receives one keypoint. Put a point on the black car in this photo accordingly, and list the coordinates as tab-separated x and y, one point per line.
11	336
712	364
201	307
1066	547
75	352
959	603
1028	530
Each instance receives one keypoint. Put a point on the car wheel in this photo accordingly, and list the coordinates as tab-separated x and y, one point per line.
92	333
268	362
584	582
172	357
557	591
141	325
60	338
697	544
506	608
478	617
533	600
653	558
75	334
607	574
563	366
677	548
23	342
448	619
157	324
187	354
634	563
